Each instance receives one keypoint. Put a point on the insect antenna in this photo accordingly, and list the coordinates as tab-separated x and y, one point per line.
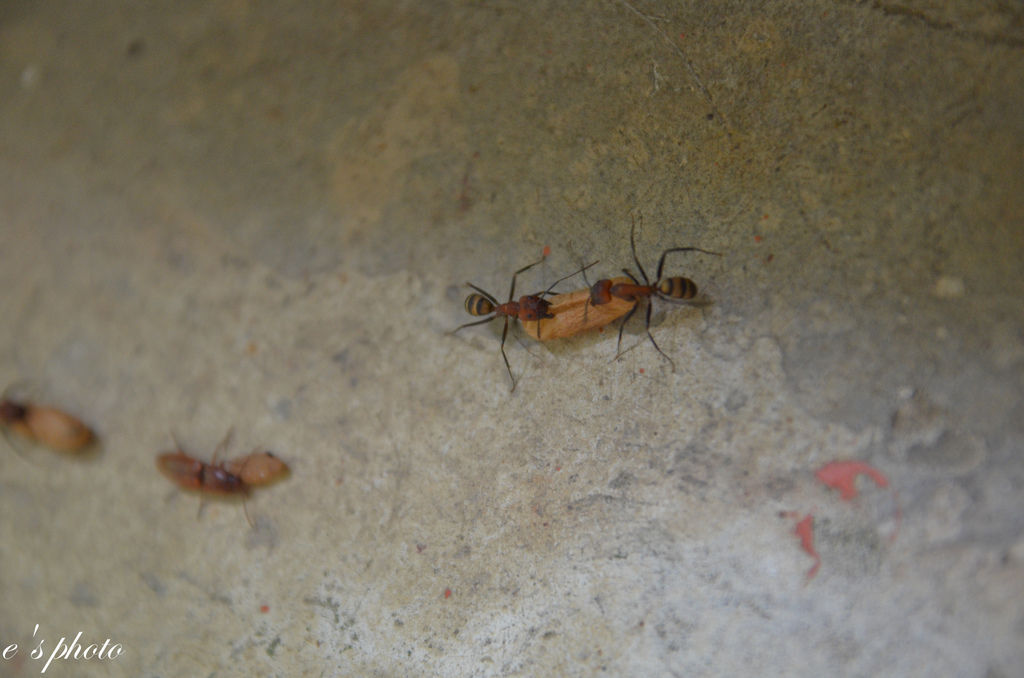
582	270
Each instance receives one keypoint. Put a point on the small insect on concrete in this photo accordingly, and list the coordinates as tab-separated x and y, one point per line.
235	477
676	290
530	307
47	426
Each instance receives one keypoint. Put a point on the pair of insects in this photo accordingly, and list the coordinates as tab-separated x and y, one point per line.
62	432
235	477
604	302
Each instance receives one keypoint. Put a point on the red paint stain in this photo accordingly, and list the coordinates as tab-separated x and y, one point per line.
757	238
842	476
641	370
447	593
547	251
805	530
264	609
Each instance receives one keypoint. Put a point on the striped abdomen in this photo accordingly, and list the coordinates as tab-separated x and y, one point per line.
478	304
677	288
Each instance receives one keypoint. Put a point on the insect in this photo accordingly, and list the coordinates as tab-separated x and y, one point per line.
530	307
674	290
574	313
235	477
48	426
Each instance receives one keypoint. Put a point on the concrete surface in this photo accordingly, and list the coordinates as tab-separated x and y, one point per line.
262	215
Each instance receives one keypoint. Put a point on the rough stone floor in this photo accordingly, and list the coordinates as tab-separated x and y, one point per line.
262	215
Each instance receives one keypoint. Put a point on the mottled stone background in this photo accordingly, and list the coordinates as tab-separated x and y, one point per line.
262	214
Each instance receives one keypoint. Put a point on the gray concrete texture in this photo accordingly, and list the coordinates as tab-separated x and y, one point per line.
263	214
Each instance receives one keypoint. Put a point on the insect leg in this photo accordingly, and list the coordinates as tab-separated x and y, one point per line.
475	322
486	294
618	346
512	289
504	333
651	337
222	445
661	262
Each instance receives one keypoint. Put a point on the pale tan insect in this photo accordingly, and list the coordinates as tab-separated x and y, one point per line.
45	425
574	313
